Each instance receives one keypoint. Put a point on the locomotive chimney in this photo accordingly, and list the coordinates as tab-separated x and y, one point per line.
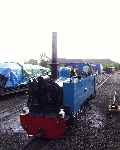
54	56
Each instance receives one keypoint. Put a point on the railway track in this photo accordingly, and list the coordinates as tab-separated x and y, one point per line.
11	111
103	81
9	92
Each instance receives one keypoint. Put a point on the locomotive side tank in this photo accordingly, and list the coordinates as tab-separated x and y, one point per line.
77	92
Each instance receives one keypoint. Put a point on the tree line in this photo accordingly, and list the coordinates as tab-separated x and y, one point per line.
43	61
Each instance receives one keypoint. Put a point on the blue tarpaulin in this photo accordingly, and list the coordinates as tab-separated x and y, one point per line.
14	74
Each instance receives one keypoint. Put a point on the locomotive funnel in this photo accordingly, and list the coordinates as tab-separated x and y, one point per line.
54	56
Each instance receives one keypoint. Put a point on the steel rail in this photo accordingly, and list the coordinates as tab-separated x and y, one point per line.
101	83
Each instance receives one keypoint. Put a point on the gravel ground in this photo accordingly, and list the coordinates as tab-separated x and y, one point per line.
12	136
95	129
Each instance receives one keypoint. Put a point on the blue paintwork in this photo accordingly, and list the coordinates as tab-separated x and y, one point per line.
77	65
64	72
77	92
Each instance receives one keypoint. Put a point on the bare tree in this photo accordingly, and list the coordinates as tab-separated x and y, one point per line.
44	60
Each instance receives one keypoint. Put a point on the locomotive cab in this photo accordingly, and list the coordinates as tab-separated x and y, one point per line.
44	96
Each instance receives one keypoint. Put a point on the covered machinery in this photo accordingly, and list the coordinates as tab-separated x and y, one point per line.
36	70
12	75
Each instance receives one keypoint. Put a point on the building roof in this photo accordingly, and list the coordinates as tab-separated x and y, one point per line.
93	61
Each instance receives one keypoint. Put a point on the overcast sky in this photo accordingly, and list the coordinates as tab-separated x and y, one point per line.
86	28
